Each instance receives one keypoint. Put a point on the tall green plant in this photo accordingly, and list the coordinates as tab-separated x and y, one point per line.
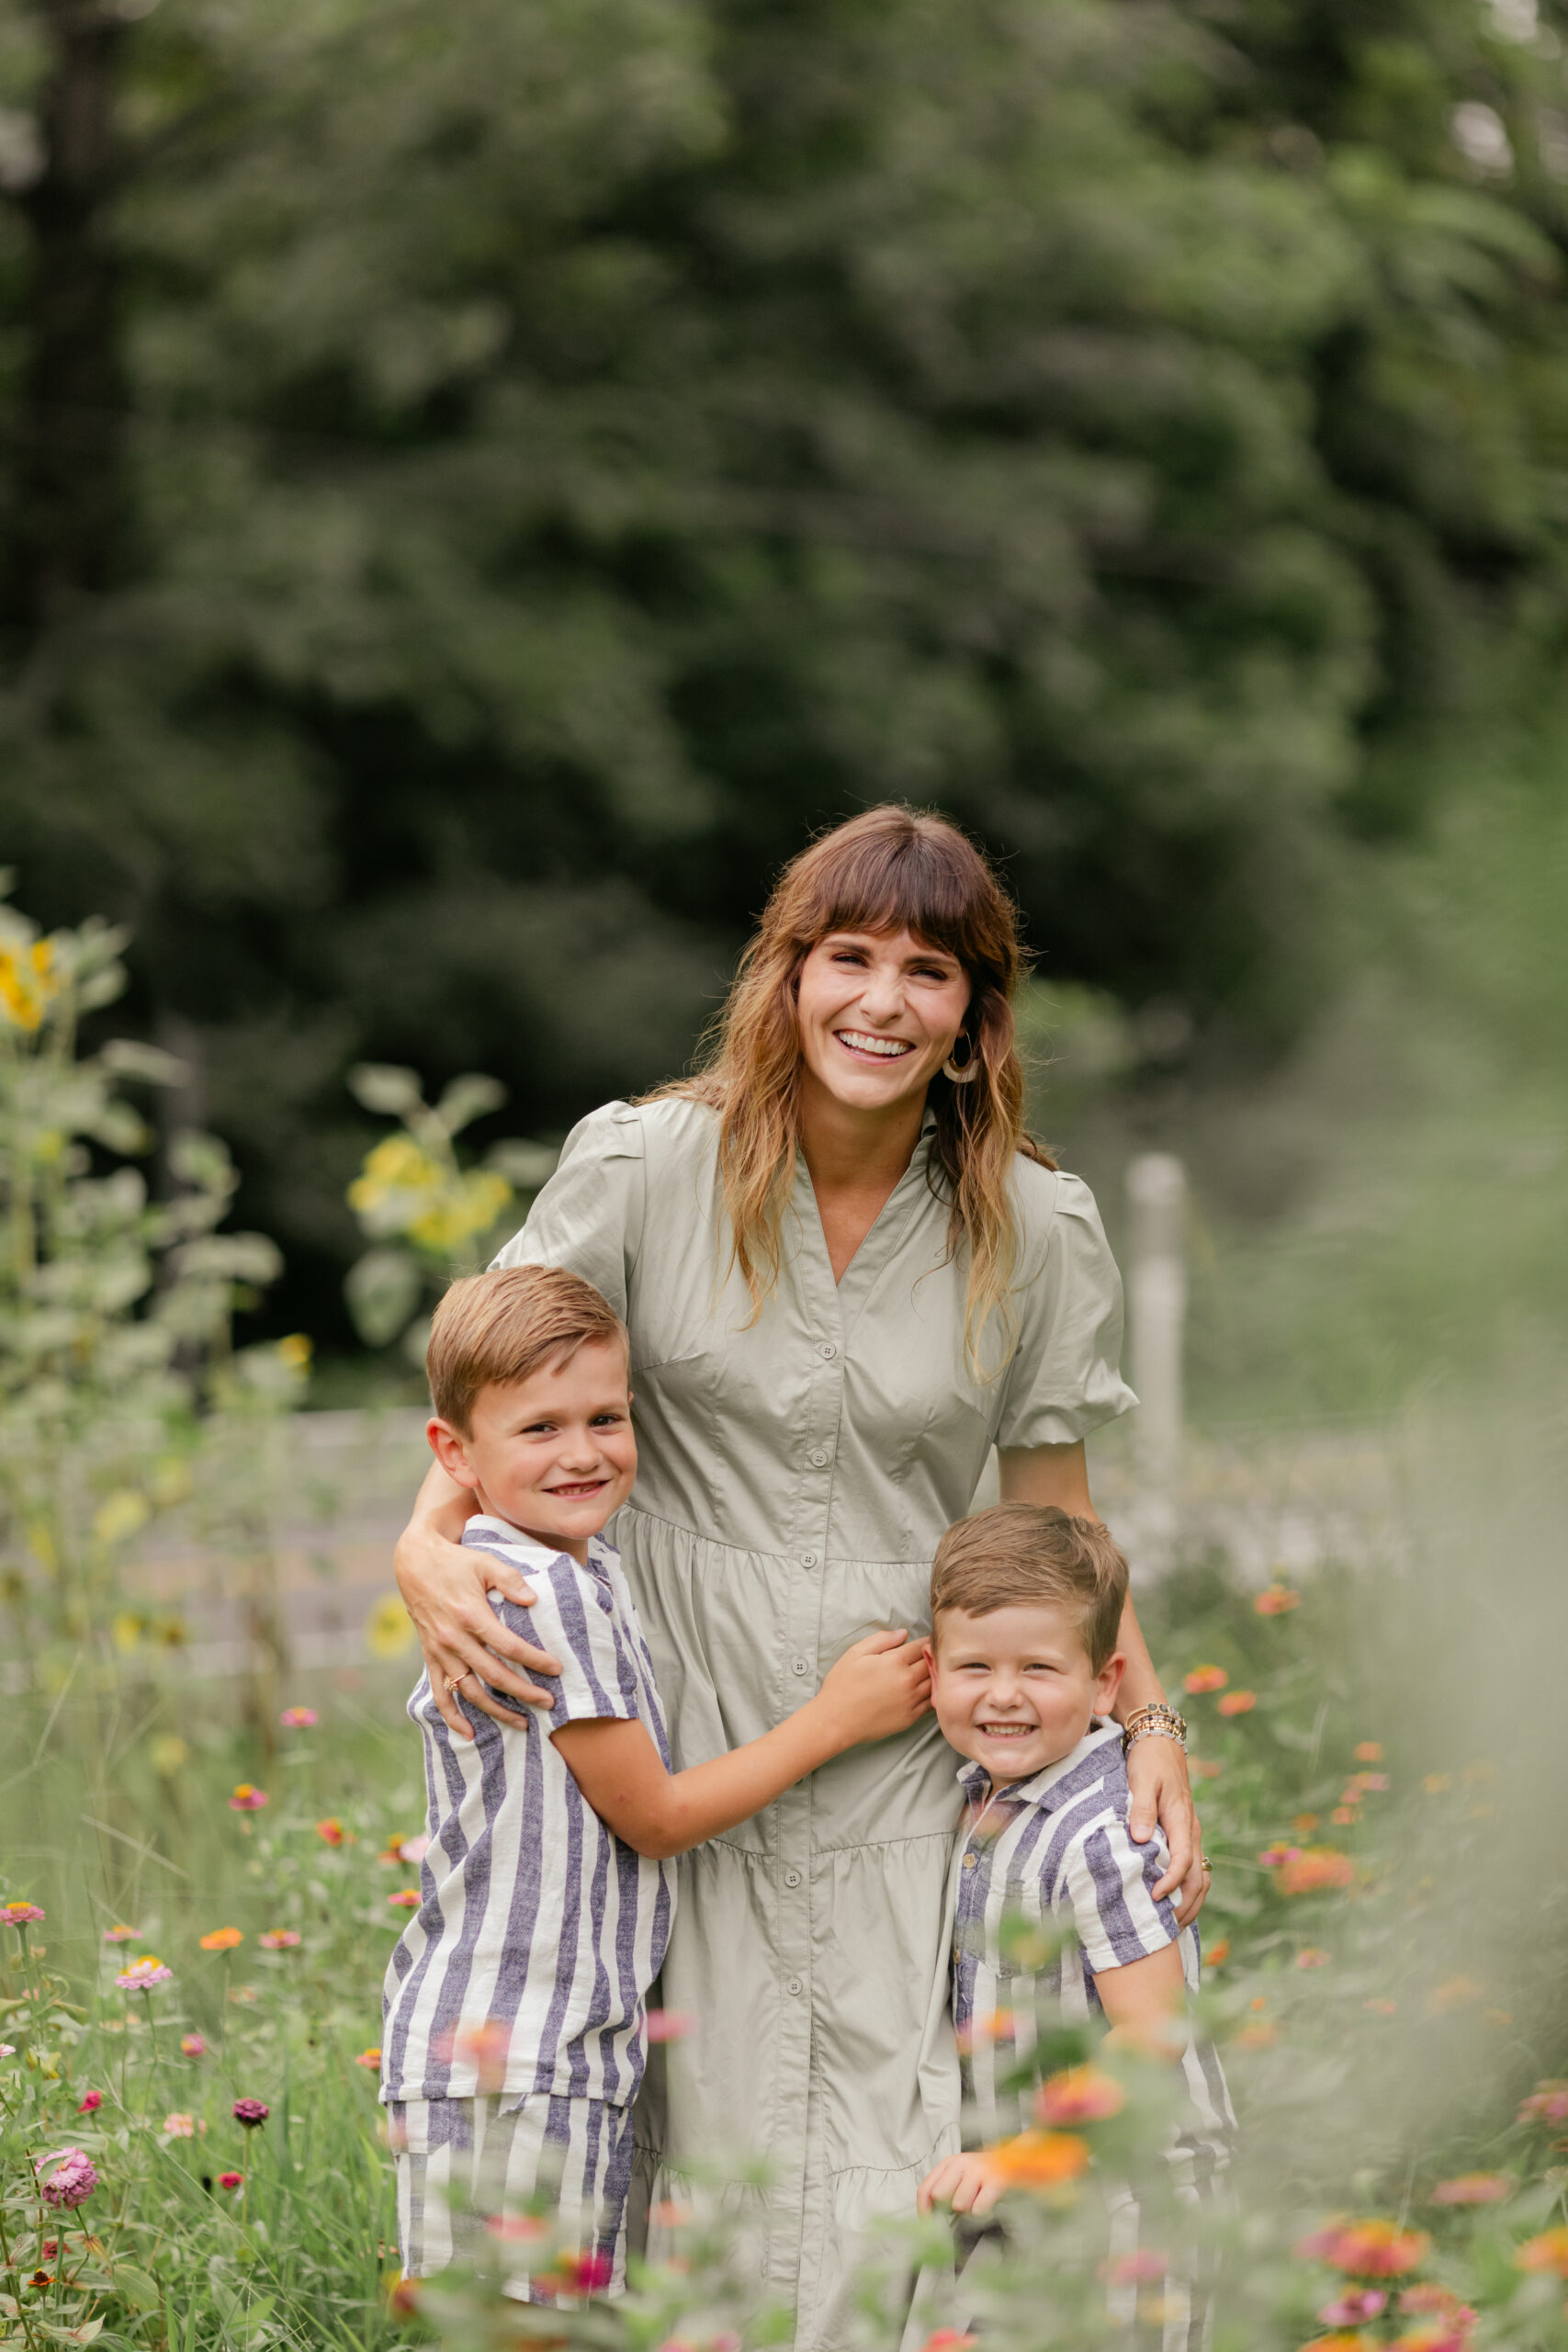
115	1306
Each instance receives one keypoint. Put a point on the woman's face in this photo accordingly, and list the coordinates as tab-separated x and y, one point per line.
879	1014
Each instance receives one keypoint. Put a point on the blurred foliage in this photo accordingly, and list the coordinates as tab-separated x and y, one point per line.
481	486
429	1218
117	1373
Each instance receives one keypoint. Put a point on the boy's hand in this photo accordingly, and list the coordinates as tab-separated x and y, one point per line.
968	2183
879	1687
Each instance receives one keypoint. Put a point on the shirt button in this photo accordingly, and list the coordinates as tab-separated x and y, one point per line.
792	1878
970	1861
799	1665
809	1560
828	1349
818	1457
795	1986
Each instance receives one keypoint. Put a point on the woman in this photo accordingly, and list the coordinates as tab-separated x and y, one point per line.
847	1272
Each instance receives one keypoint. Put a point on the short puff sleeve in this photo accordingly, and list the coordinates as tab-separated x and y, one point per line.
1064	1377
589	1217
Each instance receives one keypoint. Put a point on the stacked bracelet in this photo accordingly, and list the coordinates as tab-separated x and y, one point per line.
1156	1718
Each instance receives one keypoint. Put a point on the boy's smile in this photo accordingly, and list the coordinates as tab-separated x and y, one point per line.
1014	1689
554	1453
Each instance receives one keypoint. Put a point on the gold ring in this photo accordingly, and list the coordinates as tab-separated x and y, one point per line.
452	1679
1208	1866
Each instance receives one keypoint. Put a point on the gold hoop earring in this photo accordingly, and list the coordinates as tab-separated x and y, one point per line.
961	1073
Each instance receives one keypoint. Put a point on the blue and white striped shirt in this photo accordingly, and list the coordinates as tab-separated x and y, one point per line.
1052	1854
539	1932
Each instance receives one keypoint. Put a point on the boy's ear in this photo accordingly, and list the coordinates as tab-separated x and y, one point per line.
446	1445
1109	1683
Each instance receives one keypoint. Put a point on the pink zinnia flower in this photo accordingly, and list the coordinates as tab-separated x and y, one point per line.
1547	2103
247	1799
178	2126
279	1939
1474	2188
405	1899
74	2179
1312	1958
7	2049
370	2059
413	1849
122	1935
91	2102
331	1831
145	1973
584	2273
1349	2311
1367	2249
670	2025
229	2179
192	2046
20	1915
1313	1869
298	1718
1079	2095
1145	2269
250	2111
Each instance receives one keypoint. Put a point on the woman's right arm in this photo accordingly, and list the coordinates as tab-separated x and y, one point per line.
444	1587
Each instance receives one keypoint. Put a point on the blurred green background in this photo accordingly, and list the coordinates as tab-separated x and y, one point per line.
479	483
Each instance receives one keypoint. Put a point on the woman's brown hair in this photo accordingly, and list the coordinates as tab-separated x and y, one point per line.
892	869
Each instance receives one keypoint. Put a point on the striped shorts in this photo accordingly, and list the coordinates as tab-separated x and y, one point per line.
464	2164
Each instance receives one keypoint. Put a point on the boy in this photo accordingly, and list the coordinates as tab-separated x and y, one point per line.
516	2033
1025	1606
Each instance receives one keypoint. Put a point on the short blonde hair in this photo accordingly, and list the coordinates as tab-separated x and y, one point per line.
1029	1552
500	1327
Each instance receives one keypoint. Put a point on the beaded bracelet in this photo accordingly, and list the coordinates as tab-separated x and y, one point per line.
1154	1718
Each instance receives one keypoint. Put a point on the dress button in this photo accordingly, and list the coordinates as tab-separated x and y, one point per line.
799	1665
809	1560
792	1878
970	1861
795	1986
818	1457
827	1350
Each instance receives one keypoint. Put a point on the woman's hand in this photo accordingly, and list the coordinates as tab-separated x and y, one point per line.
878	1688
444	1587
1157	1775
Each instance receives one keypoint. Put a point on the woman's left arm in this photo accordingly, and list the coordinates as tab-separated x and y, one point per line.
1156	1767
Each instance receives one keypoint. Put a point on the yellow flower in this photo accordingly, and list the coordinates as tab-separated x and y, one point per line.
296	1351
126	1629
120	1515
468	1207
395	1165
389	1628
27	983
169	1754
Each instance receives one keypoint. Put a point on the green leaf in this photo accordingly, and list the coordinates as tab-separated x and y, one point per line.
387	1088
135	2287
382	1291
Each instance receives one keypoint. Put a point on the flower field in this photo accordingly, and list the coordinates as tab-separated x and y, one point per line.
190	2001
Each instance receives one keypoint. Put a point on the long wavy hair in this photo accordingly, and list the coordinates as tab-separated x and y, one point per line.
892	869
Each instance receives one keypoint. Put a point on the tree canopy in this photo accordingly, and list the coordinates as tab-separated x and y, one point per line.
481	483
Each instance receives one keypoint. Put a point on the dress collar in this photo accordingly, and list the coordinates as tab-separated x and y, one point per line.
489	1528
1054	1785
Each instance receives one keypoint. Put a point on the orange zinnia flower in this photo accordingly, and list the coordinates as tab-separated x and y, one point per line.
1548	2251
1205	1678
1309	1869
1238	1703
1368	2249
1041	2159
221	1939
1276	1600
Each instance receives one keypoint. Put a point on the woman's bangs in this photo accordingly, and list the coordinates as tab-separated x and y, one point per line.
885	889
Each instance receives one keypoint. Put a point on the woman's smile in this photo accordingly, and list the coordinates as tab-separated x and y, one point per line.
857	1041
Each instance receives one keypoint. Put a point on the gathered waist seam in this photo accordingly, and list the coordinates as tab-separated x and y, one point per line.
761	1552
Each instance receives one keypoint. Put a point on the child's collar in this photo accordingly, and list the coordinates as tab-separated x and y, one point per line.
1054	1785
487	1528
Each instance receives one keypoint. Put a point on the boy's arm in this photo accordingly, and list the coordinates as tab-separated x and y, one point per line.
1143	2000
879	1687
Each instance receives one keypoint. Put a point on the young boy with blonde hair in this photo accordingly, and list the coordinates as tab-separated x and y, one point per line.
515	2032
1026	1603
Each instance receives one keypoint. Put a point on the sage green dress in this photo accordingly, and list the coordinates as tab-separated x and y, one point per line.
796	1473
